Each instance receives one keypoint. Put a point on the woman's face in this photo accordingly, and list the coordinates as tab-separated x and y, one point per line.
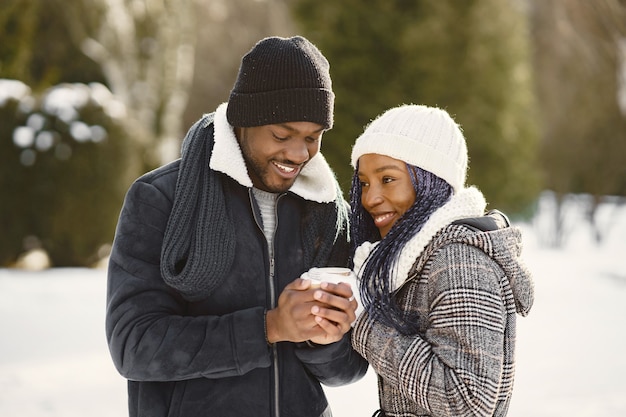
386	189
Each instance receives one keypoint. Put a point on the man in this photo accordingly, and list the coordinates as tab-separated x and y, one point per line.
206	315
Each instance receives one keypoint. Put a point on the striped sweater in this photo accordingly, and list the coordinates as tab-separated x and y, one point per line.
467	287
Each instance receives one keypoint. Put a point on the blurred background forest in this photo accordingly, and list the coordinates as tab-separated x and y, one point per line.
95	92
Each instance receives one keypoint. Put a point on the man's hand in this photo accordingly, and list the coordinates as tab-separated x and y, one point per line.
321	315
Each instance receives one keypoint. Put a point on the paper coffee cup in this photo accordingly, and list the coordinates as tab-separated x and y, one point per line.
330	274
335	275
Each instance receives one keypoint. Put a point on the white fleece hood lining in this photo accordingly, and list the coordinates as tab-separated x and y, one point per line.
316	181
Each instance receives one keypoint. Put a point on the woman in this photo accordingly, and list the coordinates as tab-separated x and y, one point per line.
440	293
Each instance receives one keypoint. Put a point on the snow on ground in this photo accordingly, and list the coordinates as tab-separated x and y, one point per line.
571	354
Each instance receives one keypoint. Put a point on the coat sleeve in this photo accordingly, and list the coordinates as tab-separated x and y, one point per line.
149	336
455	366
335	364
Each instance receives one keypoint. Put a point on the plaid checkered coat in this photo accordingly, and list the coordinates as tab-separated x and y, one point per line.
467	287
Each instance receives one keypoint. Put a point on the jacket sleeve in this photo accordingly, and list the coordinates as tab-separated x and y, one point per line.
455	366
149	336
335	364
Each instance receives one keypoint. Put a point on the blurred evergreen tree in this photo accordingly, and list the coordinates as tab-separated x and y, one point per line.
581	66
66	163
470	58
36	46
142	50
57	193
14	205
580	61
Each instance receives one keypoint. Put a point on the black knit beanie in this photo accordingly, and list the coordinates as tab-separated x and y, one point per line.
282	80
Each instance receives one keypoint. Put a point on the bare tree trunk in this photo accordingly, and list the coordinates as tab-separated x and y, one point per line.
146	50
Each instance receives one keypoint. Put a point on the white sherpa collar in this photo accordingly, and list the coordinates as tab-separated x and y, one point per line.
316	182
468	202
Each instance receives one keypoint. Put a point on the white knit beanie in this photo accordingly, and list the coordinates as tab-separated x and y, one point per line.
426	137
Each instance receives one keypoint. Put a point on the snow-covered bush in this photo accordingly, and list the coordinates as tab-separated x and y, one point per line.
65	163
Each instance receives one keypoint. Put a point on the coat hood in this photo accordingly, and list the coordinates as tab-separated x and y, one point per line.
504	246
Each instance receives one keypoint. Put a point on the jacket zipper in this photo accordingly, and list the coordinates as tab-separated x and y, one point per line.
272	289
274	346
273	303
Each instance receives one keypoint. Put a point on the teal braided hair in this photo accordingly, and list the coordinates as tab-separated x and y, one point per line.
431	192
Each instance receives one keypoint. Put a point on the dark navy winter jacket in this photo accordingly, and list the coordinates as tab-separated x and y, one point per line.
210	357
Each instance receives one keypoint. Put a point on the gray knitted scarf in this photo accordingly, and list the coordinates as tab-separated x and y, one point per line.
199	242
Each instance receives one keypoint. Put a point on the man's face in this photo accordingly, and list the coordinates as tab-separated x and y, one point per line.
275	154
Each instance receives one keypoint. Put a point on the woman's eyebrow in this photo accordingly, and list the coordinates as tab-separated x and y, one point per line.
384	168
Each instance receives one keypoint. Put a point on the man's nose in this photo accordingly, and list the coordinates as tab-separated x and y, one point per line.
298	152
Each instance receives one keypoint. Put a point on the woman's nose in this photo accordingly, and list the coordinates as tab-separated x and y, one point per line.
371	198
